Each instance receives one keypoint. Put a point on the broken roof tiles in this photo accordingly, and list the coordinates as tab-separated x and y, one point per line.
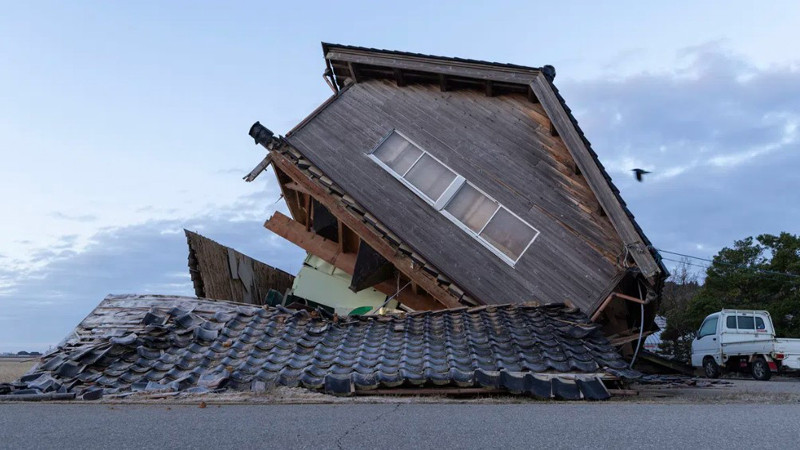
133	343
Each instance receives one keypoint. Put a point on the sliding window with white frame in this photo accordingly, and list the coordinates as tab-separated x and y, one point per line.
479	215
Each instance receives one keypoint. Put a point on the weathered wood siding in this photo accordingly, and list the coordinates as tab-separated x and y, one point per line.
222	273
501	144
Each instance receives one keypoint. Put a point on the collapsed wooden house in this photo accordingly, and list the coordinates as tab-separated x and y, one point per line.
444	182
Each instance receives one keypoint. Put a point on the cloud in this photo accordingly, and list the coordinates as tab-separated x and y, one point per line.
720	136
46	303
73	217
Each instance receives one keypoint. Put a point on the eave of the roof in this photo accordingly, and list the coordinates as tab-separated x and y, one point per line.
326	47
452	67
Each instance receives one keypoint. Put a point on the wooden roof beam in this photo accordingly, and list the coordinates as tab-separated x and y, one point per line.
330	252
465	69
402	262
353	71
399	78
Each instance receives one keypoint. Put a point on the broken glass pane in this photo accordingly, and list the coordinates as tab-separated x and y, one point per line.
508	234
471	207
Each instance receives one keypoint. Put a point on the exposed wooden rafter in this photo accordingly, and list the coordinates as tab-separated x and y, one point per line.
329	252
399	78
402	262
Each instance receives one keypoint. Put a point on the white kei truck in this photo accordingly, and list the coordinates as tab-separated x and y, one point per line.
743	341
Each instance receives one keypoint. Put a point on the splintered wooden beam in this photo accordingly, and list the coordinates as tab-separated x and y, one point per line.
259	168
403	263
329	252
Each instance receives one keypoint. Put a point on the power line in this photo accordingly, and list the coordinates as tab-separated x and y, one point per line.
738	266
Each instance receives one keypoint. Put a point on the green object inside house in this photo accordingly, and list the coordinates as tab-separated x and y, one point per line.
360	311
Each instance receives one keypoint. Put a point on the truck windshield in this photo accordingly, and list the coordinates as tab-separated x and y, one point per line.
708	328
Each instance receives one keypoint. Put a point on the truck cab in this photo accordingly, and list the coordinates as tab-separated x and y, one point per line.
737	340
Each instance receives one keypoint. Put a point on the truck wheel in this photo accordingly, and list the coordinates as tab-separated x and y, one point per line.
710	367
760	369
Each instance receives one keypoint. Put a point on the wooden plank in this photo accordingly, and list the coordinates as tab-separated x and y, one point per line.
596	179
399	78
353	73
489	88
668	363
625	339
259	168
432	391
422	64
329	251
296	187
623	392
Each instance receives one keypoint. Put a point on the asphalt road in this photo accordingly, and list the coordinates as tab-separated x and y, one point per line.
441	426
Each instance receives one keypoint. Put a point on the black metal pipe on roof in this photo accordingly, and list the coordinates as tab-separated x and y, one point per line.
261	134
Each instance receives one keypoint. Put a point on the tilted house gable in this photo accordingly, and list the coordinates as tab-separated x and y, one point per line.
480	169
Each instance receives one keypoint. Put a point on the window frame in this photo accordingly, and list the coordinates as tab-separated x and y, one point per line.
449	194
714	319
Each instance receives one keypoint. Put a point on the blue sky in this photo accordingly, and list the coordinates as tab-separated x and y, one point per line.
122	124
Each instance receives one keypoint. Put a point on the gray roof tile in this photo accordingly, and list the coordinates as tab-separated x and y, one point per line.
248	347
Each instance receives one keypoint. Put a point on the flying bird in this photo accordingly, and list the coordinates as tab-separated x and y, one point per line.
639	173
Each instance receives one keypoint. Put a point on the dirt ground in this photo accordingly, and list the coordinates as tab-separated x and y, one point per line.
13	368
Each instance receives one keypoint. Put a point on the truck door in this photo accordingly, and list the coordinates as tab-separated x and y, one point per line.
707	342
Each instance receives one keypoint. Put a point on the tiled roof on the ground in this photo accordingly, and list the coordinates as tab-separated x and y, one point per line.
135	343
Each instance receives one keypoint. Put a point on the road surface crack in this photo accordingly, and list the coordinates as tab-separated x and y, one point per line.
364	422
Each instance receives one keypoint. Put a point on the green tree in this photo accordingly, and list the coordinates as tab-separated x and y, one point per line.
679	291
756	273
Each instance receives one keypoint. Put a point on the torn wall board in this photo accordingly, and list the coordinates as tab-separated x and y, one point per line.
222	273
162	343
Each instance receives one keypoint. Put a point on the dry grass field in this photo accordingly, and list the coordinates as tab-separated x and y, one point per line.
13	368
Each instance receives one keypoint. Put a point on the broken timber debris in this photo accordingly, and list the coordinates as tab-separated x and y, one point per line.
222	273
162	343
